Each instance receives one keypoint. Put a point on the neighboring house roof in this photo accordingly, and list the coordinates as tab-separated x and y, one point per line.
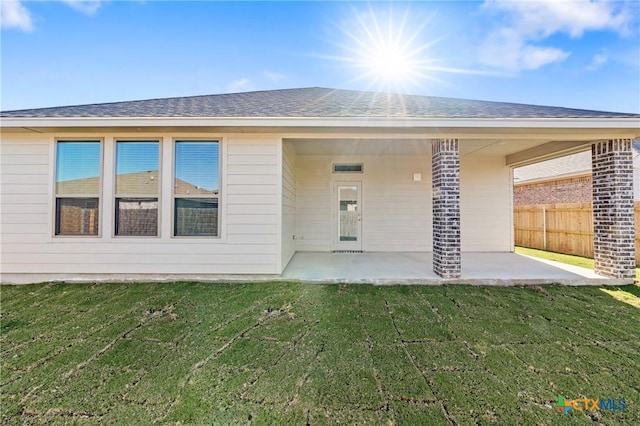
312	102
138	183
570	165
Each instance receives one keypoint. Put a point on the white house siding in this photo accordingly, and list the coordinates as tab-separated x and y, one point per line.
249	241
396	211
24	193
288	202
313	203
485	204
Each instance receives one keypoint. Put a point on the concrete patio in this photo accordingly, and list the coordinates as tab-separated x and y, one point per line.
385	268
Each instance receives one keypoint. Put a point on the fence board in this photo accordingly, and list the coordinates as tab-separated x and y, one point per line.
563	228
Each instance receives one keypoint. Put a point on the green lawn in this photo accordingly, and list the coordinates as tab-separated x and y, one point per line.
283	353
584	262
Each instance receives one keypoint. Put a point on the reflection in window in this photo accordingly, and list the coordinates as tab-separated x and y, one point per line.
196	188
77	216
77	187
196	216
137	216
137	173
137	168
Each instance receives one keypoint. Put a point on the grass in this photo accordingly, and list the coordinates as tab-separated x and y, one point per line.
583	262
284	353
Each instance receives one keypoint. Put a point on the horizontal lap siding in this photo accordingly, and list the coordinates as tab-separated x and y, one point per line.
313	203
24	192
485	204
252	202
134	248
249	207
153	268
288	202
396	211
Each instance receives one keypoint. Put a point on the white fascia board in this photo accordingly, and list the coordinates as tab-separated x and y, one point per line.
632	124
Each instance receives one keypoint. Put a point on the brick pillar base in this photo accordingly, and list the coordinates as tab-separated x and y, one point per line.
613	215
446	208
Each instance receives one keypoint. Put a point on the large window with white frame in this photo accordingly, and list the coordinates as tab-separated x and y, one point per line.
196	188
77	189
137	187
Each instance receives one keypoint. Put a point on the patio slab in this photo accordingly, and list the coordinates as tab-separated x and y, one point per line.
380	268
417	268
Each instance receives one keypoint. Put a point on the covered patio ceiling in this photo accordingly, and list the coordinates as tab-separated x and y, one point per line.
515	151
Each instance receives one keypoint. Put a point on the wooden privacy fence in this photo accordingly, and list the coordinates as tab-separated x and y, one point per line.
563	228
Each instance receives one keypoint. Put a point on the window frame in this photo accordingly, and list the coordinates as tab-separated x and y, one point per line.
175	196
56	196
115	195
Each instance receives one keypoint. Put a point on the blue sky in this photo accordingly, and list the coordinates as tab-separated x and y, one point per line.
77	160
583	54
139	156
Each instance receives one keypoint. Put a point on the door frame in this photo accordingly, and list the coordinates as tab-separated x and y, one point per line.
336	244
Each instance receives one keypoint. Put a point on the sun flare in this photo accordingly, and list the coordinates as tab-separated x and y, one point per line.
389	63
385	51
392	50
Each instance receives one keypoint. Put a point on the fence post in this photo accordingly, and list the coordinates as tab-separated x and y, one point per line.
544	227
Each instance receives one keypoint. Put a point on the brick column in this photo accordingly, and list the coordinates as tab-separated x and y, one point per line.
613	215
446	207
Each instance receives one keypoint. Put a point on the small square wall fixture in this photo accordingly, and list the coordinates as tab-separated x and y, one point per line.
417	177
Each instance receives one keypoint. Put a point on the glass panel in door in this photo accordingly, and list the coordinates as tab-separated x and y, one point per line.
349	215
348	199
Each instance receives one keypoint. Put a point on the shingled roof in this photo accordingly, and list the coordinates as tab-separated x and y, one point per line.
311	103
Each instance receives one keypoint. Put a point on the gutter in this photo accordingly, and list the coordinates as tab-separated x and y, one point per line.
632	124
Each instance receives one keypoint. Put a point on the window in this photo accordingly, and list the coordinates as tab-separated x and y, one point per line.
196	188
347	168
77	187
136	201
